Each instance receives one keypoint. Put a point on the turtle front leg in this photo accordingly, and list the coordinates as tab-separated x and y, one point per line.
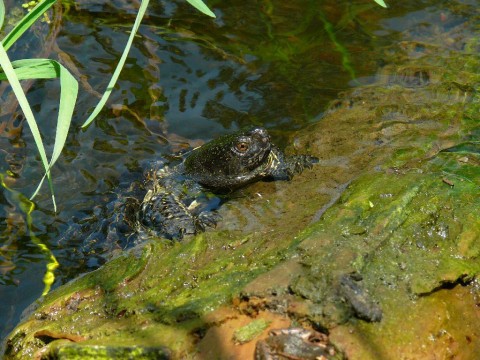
297	163
166	215
286	167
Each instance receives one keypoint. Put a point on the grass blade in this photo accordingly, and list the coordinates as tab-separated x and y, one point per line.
121	63
381	3
2	13
26	22
27	111
68	98
49	69
34	69
200	6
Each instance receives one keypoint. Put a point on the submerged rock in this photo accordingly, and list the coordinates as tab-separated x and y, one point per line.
362	305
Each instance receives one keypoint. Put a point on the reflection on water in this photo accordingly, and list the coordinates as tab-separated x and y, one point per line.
188	79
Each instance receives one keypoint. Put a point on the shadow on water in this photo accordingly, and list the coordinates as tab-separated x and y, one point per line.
188	79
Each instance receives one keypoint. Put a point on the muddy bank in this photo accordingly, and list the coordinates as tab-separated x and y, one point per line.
378	246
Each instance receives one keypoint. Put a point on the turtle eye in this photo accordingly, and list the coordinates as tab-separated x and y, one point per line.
242	146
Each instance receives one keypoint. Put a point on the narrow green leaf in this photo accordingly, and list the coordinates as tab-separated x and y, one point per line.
141	12
2	13
381	3
34	69
27	111
121	63
47	69
68	98
200	6
26	22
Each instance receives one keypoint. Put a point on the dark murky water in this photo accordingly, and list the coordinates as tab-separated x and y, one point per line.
188	79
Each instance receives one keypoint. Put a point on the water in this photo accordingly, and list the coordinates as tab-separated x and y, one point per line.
188	79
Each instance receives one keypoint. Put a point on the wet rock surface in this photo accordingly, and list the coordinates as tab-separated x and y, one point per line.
362	305
385	230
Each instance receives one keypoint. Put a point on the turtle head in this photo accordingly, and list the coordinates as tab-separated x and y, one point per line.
230	161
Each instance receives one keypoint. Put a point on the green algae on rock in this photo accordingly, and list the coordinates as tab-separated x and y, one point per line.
98	352
420	235
408	227
250	331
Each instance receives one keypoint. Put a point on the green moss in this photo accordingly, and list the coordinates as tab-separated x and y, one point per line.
420	235
251	331
94	352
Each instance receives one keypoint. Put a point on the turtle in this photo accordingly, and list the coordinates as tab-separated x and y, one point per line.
179	201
